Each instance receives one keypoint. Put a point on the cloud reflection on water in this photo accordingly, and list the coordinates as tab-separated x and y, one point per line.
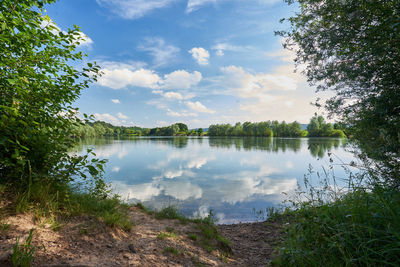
229	175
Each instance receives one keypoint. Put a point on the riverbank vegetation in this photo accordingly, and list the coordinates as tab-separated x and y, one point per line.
317	127
40	78
351	48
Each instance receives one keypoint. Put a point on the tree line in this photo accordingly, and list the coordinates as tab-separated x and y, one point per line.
317	127
101	128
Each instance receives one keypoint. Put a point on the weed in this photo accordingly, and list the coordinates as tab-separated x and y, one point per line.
4	227
164	235
23	254
171	250
83	231
171	212
193	237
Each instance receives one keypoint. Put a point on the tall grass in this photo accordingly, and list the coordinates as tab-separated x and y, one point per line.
356	227
55	202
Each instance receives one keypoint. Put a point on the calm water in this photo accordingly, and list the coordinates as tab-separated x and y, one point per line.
231	176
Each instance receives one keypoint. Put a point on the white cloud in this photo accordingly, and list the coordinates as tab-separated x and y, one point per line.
199	107
177	114
106	117
173	95
161	52
84	40
115	101
116	169
193	5
200	54
133	9
181	79
220	48
81	39
122	116
120	77
260	85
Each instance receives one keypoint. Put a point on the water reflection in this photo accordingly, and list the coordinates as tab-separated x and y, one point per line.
257	143
232	176
318	147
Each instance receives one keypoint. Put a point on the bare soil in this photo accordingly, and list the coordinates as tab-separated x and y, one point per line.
85	241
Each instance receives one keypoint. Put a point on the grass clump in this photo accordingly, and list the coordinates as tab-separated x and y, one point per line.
165	235
362	228
171	212
210	239
193	237
143	208
171	250
111	210
23	254
51	204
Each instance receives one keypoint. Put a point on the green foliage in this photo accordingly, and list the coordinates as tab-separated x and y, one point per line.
360	229
111	210
210	237
265	129
23	254
164	235
171	212
352	47
171	250
319	128
38	84
193	237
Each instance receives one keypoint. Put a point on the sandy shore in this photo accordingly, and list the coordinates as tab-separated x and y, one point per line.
84	241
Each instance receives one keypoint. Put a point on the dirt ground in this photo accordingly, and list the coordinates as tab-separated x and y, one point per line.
85	241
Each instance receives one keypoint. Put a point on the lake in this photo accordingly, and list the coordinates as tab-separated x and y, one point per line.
231	176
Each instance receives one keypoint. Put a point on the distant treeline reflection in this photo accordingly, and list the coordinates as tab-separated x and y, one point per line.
318	147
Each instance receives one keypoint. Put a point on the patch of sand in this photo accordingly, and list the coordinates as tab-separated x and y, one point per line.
85	241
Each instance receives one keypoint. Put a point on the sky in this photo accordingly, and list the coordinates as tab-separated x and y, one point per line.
199	62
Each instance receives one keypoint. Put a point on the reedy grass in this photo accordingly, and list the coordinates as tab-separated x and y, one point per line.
359	227
49	203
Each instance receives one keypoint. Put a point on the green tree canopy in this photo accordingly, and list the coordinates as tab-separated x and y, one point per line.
353	48
38	84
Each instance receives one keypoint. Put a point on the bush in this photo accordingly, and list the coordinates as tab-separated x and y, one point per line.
361	229
37	87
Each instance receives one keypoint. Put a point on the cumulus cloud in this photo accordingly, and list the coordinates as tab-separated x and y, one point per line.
173	95
81	39
133	9
199	107
259	85
115	101
200	54
119	75
161	52
181	79
122	116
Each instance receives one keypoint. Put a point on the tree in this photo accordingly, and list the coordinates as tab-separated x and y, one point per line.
353	48
38	84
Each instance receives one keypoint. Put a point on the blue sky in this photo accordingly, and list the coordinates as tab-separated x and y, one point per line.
194	61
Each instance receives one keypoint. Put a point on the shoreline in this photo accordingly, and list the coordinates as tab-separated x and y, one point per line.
86	241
